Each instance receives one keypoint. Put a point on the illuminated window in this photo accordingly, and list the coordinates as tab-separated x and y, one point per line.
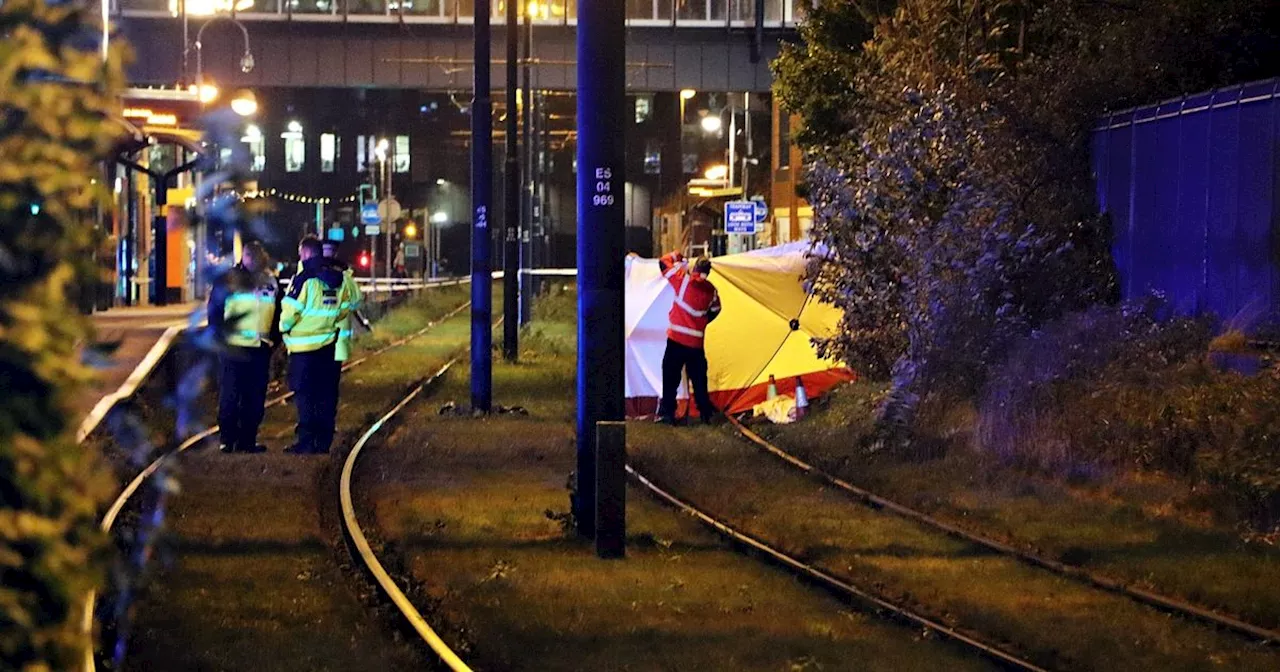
400	158
328	152
644	109
257	147
652	159
295	148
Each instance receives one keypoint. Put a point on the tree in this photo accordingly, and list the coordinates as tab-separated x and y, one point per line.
56	97
950	167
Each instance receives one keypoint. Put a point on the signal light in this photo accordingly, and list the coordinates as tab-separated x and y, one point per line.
410	230
364	260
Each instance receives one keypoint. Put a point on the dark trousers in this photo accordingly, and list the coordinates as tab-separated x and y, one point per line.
679	358
242	390
313	378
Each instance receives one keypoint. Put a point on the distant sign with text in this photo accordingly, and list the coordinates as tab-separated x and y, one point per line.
740	217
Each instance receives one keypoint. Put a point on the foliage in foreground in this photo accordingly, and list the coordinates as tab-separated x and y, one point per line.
56	95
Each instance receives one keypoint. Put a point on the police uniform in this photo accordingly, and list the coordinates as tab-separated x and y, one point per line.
697	303
244	312
309	319
351	300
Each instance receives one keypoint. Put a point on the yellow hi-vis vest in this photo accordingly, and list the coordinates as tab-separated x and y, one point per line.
351	300
310	315
250	315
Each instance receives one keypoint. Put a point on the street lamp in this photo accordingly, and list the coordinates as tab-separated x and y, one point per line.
713	123
244	103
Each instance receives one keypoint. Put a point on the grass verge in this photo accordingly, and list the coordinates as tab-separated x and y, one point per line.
468	509
1137	527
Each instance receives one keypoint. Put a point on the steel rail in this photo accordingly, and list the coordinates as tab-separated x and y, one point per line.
364	551
117	506
874	501
833	583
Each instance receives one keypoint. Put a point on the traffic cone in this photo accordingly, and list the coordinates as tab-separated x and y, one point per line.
773	390
802	399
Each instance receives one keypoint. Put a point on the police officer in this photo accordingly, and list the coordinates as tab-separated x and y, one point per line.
309	319
244	311
697	304
352	298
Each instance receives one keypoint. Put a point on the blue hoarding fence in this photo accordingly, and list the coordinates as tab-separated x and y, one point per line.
1191	187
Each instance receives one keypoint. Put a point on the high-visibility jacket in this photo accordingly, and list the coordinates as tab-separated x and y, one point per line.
351	300
311	311
697	302
245	308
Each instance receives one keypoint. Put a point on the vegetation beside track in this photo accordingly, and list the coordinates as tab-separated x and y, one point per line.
462	506
256	577
1140	527
1058	623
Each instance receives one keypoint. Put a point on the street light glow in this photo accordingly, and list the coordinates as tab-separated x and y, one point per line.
711	123
206	92
687	94
717	172
439	217
245	103
381	150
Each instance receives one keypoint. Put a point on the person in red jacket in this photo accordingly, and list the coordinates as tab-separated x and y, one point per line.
697	304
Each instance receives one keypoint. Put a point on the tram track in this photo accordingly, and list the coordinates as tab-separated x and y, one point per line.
362	551
839	586
915	571
126	495
880	503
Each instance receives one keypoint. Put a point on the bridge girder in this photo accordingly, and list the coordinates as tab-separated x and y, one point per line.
438	57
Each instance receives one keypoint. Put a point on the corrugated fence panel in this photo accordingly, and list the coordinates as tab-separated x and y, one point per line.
1224	169
1191	186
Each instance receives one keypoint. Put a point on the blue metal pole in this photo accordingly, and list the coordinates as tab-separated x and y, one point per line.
601	241
481	200
511	214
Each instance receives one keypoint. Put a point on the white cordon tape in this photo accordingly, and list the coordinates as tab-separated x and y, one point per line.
410	613
829	580
117	506
130	385
1081	575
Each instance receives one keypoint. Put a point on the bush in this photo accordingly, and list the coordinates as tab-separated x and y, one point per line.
1114	389
55	100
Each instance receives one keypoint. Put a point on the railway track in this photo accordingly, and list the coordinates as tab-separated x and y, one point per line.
359	542
842	587
130	490
880	503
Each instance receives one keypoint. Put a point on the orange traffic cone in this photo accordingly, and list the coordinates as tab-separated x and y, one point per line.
773	389
802	399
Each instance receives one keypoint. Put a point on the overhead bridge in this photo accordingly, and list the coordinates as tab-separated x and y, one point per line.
708	45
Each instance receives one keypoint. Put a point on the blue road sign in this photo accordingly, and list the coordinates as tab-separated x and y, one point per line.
740	217
369	214
762	211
